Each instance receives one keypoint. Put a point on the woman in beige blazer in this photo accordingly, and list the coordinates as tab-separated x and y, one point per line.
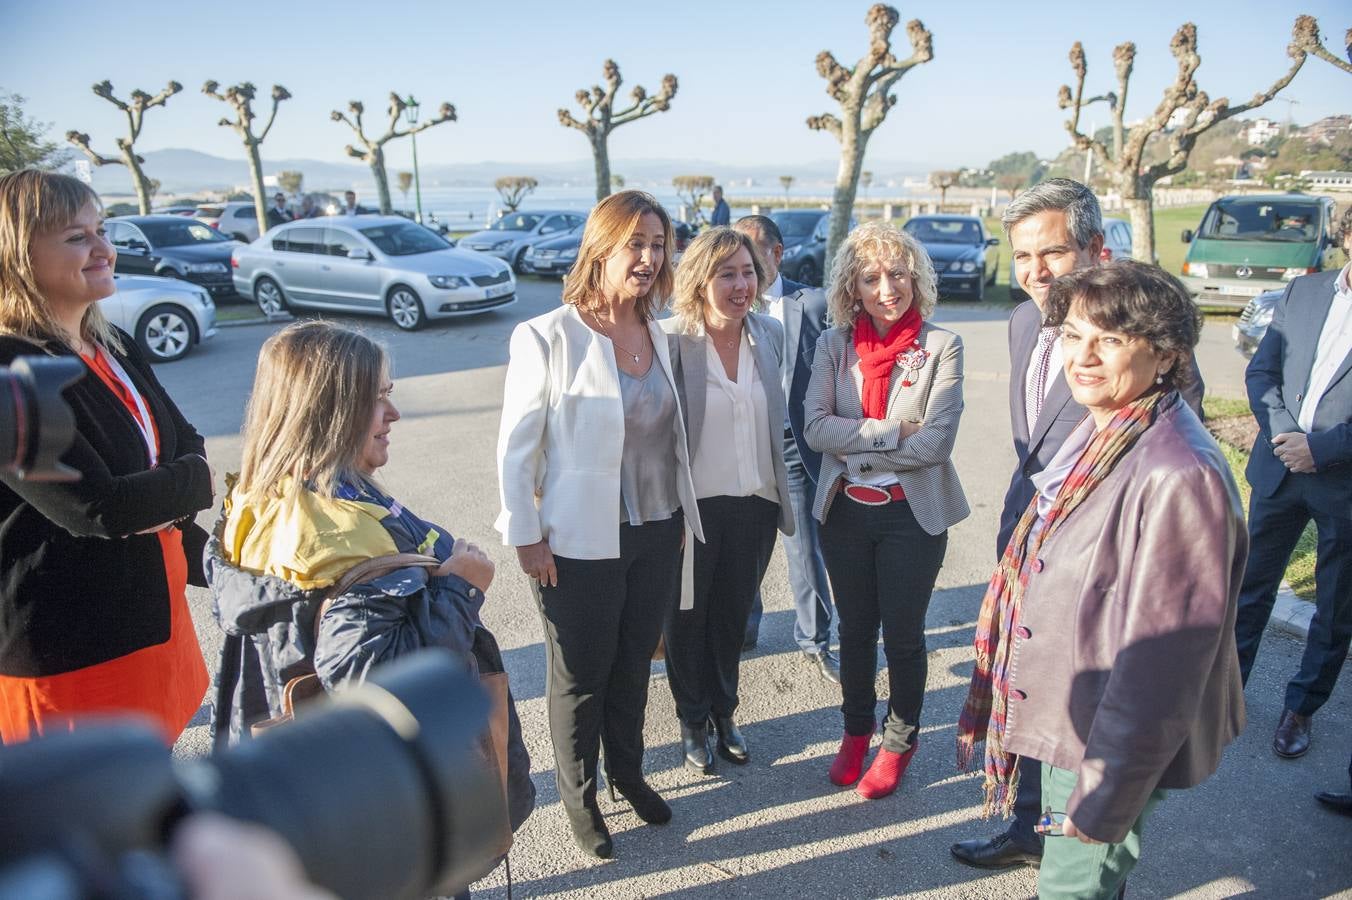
728	375
596	491
882	408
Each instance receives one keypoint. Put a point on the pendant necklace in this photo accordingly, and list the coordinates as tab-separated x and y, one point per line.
630	353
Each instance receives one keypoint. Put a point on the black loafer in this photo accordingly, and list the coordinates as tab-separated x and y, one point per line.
695	743
1337	802
827	663
731	744
999	852
647	803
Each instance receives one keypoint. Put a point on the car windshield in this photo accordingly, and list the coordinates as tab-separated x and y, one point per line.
516	222
943	231
795	225
179	234
1247	219
404	239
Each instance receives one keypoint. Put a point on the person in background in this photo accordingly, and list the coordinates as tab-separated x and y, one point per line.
278	214
801	310
728	376
883	408
94	615
1300	389
721	214
1105	643
350	207
594	478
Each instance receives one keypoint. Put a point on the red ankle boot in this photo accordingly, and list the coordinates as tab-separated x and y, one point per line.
885	773
849	760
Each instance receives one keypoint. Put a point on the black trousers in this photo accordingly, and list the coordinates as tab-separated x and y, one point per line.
601	625
1275	525
883	567
704	644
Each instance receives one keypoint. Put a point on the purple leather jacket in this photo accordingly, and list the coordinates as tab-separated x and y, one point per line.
1124	667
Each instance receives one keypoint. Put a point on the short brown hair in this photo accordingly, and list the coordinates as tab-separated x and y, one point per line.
701	260
1137	299
33	203
610	224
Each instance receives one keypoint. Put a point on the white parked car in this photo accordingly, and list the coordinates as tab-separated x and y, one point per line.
384	265
166	316
237	220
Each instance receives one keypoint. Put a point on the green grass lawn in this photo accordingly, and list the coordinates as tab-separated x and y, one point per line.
1300	571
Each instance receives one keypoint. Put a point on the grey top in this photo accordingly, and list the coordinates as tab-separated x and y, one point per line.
648	464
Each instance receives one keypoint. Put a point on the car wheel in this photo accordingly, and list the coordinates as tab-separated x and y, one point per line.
980	293
807	273
519	262
406	309
990	282
271	299
166	332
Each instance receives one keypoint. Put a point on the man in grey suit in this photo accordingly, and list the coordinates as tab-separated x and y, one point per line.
1300	388
802	311
1054	228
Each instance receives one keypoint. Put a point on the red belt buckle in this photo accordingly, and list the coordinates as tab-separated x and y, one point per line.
869	495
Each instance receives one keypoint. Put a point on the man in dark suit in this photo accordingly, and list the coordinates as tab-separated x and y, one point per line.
1300	388
1054	228
350	207
721	214
277	212
802	310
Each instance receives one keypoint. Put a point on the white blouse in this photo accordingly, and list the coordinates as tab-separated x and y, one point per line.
733	457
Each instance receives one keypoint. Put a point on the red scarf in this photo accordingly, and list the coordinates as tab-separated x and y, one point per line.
878	356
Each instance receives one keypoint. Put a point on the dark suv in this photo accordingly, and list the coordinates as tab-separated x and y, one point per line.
804	233
175	247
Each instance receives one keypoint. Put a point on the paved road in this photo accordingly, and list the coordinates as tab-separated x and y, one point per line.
777	827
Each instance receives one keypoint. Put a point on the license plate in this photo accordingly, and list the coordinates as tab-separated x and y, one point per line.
499	290
1237	291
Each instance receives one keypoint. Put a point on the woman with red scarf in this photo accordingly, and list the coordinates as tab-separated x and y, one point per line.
882	408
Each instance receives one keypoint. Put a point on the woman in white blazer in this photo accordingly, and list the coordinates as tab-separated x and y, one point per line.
882	408
596	490
728	376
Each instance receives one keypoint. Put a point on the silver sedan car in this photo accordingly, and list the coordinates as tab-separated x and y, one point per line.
511	236
384	265
166	316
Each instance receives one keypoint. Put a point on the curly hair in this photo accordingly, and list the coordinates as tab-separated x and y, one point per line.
874	242
698	266
1136	299
1345	227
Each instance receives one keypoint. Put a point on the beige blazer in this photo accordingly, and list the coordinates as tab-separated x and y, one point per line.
562	439
852	445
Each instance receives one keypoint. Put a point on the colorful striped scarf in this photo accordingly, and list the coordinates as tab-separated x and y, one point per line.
983	715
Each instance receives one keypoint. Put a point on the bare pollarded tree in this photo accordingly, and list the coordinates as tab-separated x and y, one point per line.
786	182
865	96
135	110
1307	38
240	99
943	180
691	190
372	149
601	118
1125	163
513	189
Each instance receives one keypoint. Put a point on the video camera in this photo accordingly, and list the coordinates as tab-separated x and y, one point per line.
36	424
381	790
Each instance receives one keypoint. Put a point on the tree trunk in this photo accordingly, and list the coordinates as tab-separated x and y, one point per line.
1138	197
842	201
138	179
601	156
382	179
256	172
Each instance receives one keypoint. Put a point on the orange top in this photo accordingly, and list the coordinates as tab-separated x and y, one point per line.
165	682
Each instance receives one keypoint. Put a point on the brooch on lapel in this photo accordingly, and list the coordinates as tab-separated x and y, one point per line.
911	361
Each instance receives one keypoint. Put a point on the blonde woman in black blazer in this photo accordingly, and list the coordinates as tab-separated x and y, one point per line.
882	408
728	376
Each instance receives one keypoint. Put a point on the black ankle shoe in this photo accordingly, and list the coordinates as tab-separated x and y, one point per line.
647	803
695	743
731	744
589	830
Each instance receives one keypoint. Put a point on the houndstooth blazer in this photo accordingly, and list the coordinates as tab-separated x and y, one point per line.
852	445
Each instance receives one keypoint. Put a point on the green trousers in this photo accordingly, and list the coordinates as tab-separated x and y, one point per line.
1074	870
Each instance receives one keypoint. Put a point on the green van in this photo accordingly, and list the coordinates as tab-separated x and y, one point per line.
1250	243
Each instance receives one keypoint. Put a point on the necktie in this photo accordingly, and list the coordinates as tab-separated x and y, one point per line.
1037	385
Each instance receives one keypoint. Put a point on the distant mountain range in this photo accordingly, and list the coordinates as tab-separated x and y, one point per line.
182	171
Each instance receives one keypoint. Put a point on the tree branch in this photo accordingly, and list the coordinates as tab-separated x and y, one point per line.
81	140
825	122
279	94
1305	37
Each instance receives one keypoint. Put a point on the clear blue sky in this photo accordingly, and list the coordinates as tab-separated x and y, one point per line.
747	77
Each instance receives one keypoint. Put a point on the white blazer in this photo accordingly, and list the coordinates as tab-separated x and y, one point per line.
562	439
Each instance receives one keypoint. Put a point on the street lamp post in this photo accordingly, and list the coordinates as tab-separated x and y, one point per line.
411	114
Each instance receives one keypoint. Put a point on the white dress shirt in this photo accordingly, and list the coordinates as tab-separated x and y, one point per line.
733	457
1056	364
1335	343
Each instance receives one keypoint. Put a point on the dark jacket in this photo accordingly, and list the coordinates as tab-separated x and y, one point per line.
78	585
804	321
1124	667
269	623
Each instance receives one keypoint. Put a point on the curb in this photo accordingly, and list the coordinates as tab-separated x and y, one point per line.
257	320
1290	614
